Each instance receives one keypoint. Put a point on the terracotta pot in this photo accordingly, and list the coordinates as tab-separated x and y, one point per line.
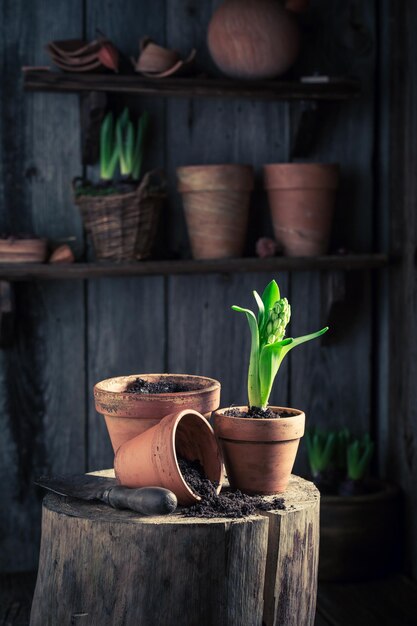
129	414
23	250
154	58
216	204
151	458
259	454
253	39
297	6
360	536
301	198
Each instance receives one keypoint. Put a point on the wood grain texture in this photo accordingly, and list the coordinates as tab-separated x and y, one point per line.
182	571
401	436
125	319
42	380
332	384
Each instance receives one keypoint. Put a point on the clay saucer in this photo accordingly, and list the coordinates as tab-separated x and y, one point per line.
73	48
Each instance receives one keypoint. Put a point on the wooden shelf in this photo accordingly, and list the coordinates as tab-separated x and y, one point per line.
12	272
335	89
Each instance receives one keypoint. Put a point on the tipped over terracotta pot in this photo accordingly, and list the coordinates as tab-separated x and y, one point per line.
129	414
301	198
216	205
152	457
259	454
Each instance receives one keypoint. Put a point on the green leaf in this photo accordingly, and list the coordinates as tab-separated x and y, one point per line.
270	295
138	152
254	395
299	340
269	362
261	314
106	147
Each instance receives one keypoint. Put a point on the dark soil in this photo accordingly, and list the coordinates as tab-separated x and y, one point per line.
258	413
104	188
225	504
139	385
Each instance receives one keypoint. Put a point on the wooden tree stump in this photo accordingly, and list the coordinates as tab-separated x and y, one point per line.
99	566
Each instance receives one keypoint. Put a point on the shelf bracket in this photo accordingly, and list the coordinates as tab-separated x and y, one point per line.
7	314
93	106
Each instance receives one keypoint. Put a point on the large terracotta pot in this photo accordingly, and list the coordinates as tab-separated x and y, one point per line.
216	204
360	536
301	198
253	39
129	414
259	454
151	458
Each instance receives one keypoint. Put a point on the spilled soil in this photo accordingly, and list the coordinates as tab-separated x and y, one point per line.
227	503
139	385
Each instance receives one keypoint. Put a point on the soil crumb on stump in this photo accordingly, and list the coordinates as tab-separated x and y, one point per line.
139	385
225	504
255	412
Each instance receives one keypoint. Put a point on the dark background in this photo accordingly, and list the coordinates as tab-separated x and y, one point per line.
71	334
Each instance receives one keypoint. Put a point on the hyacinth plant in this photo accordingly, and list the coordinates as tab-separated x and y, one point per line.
268	345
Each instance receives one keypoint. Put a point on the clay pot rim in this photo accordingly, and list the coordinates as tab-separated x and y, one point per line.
257	420
327	175
257	430
179	416
385	490
245	171
212	385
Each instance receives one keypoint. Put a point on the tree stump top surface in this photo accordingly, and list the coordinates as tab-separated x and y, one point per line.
300	494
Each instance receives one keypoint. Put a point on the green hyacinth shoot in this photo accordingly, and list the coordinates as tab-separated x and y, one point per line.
268	345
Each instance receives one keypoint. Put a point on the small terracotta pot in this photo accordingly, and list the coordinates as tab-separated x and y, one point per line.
216	204
301	199
151	458
253	39
15	250
154	58
259	454
129	414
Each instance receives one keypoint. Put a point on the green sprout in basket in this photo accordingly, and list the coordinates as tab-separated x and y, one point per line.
268	346
358	457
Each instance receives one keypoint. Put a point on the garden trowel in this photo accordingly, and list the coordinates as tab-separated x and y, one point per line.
146	500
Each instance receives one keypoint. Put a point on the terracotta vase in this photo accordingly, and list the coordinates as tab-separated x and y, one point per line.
151	458
253	39
216	205
301	199
129	414
259	454
359	535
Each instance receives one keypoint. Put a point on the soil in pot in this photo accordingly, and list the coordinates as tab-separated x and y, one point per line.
224	504
255	412
164	386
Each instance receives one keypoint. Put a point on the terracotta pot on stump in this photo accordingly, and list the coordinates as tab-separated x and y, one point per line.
259	454
301	198
216	204
151	458
129	414
253	39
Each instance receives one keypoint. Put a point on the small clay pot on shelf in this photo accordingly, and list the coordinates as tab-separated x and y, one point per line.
22	249
216	205
302	199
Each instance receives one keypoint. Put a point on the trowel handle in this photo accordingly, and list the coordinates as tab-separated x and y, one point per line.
146	500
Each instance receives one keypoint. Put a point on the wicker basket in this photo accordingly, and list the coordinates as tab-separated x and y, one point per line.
123	226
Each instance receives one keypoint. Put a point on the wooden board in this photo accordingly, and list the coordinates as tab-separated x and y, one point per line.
333	384
42	418
247	571
126	320
400	462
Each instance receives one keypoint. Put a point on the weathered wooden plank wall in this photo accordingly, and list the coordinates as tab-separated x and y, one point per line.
400	460
71	335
